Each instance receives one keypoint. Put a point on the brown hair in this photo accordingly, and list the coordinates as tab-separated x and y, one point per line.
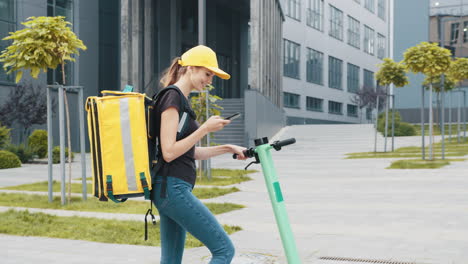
172	74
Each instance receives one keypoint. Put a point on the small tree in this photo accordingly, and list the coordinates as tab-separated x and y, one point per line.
389	73
27	106
44	43
431	60
198	103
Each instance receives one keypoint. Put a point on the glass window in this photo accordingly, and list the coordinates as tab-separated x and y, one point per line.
465	32
354	32
335	72
314	66
454	33
380	46
314	104
60	8
291	100
381	9
369	113
315	14
291	58
7	25
335	108
352	110
370	5
293	9
369	39
336	23
353	78
369	79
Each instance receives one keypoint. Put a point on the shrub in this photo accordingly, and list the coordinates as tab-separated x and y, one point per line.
38	143
22	152
401	128
4	136
56	154
9	160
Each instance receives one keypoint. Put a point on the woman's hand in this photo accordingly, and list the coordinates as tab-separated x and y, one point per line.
239	151
215	123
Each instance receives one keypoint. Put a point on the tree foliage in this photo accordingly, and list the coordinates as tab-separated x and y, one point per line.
391	72
45	42
458	71
427	58
436	82
367	97
198	103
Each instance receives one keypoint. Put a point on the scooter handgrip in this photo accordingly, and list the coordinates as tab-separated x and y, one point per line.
286	142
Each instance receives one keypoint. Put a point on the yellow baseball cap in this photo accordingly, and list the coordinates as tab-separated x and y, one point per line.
205	57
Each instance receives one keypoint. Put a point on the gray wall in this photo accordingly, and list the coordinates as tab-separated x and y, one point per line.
411	25
262	117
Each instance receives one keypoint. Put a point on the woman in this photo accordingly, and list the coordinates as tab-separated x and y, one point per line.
179	209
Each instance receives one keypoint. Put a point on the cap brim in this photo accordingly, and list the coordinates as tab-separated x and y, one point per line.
220	73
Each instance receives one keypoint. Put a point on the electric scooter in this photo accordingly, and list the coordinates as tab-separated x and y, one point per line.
262	155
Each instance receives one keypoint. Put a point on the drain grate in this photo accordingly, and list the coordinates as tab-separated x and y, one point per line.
375	261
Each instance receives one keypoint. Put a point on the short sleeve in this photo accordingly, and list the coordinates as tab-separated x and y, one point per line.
170	99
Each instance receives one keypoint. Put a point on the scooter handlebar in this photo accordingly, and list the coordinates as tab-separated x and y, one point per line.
282	143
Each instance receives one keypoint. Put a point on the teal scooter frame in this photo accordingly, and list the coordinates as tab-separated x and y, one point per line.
262	155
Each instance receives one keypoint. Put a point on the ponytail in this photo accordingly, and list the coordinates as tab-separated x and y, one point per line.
172	74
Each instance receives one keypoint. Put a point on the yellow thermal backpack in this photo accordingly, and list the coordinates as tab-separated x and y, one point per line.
119	146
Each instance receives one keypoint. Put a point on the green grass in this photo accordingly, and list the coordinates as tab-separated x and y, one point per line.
219	177
94	205
436	129
43	187
421	164
452	149
223	177
201	193
24	223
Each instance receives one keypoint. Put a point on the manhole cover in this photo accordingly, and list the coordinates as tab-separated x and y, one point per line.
341	260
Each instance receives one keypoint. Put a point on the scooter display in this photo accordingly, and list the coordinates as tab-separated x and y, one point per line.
262	155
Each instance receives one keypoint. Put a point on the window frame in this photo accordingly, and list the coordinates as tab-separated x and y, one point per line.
336	27
335	73
331	105
290	47
288	95
367	73
354	107
315	9
354	37
370	5
313	101
296	6
381	47
381	8
314	59
454	32
350	79
369	40
11	25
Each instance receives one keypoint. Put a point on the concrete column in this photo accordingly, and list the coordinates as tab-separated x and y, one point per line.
150	77
125	43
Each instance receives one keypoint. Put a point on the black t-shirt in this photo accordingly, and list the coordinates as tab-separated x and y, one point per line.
184	166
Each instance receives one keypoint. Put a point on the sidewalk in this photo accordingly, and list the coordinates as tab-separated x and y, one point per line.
337	208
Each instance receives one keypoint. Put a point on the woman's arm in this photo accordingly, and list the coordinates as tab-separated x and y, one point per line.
203	153
172	149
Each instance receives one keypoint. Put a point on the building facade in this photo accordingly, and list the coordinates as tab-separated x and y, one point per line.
131	42
331	49
429	20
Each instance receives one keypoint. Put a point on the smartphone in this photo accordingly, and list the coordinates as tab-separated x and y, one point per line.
234	116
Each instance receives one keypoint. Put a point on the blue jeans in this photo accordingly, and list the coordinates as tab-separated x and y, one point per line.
181	211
